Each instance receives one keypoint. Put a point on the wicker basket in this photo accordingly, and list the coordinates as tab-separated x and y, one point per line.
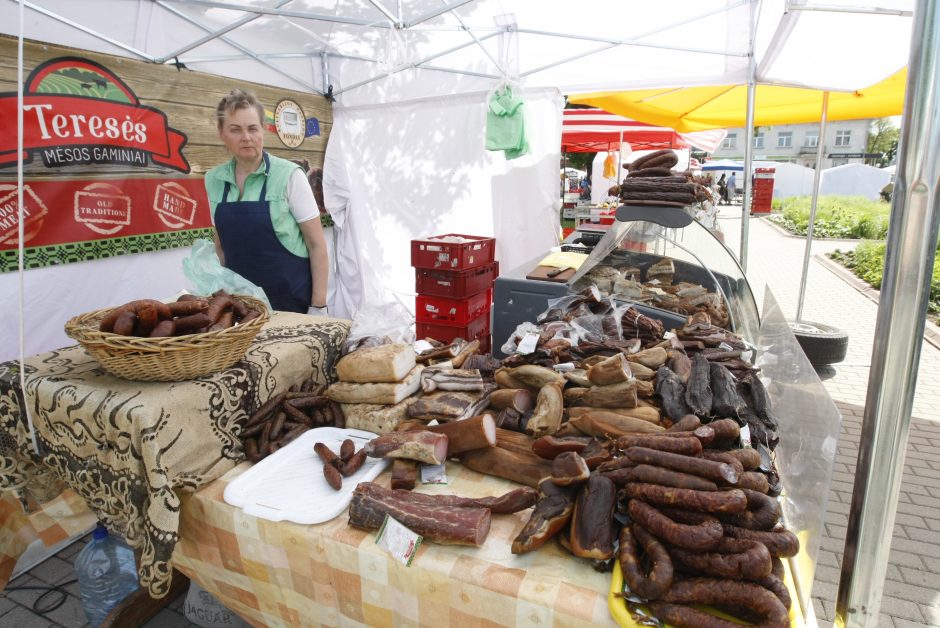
172	359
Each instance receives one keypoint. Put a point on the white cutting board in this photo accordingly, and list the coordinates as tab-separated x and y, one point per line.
289	485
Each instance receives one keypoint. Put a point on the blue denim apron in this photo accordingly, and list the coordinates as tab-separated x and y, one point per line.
253	250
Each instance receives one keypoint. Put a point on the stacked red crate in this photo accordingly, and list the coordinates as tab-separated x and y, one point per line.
454	277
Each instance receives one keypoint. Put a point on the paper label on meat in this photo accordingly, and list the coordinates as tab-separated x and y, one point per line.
433	474
745	436
528	343
398	541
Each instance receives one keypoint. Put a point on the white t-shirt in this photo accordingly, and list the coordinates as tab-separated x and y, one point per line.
300	197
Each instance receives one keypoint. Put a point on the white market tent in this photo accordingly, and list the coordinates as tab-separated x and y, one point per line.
854	179
406	157
792	180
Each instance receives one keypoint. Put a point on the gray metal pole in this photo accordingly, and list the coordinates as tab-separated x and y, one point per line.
748	135
911	245
746	175
812	208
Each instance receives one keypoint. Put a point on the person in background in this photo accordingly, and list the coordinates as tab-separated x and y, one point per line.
613	195
722	190
732	188
586	189
267	225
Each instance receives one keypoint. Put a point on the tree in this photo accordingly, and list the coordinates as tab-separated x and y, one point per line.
882	138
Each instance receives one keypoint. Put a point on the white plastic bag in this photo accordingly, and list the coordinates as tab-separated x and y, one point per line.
389	320
207	275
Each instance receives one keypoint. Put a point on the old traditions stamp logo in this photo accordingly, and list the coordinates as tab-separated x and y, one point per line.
103	208
290	123
76	111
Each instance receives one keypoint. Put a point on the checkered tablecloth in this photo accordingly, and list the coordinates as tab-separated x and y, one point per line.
287	574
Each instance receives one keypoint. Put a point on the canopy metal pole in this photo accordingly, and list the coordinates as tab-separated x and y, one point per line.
911	246
820	146
748	137
748	156
620	158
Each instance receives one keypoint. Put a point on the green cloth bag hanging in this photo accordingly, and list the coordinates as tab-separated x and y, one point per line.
505	123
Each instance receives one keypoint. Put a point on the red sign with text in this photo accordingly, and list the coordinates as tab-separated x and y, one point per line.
93	209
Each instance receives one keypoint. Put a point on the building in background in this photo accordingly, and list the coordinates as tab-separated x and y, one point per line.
845	143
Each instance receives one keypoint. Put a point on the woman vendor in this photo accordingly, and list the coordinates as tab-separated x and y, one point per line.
267	225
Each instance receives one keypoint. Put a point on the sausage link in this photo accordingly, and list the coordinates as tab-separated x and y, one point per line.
354	463
147	318
326	454
347	449
725	457
107	322
726	430
749	458
763	512
277	425
690	446
700	536
654	585
226	320
217	305
776	585
702	501
251	450
333	476
712	591
687	464
688	423
185	308
754	480
125	323
779	541
667	477
189	324
265	409
164	329
737	559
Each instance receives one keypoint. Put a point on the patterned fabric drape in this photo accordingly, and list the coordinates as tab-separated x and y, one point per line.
128	447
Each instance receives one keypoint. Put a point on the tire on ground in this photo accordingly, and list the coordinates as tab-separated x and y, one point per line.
822	344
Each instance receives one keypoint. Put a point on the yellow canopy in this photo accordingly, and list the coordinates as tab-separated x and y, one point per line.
688	109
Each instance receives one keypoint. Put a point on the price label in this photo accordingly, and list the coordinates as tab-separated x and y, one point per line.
398	541
528	343
433	474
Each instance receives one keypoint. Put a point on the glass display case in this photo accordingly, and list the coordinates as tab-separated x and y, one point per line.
657	258
661	258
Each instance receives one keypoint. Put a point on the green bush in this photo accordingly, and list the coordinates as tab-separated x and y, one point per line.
853	217
868	261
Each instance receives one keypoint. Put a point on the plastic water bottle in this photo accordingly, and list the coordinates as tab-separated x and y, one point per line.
107	573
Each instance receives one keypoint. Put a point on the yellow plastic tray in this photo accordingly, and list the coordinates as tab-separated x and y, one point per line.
621	614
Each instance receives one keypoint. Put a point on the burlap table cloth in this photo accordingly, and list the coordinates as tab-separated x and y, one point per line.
287	574
129	448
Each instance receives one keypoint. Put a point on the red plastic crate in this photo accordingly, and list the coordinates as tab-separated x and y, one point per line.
476	329
430	309
433	253
455	284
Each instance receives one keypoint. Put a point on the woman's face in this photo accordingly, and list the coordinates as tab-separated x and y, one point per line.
243	134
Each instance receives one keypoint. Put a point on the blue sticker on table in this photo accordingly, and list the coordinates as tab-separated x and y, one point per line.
313	127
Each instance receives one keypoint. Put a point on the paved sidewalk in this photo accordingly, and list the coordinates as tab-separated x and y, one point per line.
910	594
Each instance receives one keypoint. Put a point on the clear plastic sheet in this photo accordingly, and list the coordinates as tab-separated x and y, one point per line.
809	433
708	263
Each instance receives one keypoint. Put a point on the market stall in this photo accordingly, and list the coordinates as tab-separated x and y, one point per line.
404	88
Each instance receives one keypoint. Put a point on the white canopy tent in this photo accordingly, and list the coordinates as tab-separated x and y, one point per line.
391	63
792	180
854	179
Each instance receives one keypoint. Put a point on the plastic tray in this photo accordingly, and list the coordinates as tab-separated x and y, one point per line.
452	311
289	485
434	253
455	284
477	329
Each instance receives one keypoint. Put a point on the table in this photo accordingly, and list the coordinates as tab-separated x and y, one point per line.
287	574
130	449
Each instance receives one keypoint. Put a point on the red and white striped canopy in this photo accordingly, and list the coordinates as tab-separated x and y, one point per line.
595	130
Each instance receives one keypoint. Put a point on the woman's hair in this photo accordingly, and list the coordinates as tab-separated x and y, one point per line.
238	99
613	190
